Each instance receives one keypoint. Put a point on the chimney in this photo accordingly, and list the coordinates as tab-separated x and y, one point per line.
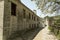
34	11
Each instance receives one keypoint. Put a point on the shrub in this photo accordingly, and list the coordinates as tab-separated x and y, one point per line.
50	28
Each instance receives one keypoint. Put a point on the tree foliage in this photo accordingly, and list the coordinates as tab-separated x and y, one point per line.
57	22
48	6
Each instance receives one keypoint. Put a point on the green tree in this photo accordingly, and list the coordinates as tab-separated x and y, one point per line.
47	6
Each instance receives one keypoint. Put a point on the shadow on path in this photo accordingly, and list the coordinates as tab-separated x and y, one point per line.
25	35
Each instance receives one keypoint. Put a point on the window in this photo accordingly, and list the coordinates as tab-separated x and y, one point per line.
29	25
24	13
32	16
13	9
32	25
29	16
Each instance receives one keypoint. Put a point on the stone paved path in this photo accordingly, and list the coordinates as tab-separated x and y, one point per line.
45	34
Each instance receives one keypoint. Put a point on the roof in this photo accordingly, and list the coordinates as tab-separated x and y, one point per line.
19	1
28	8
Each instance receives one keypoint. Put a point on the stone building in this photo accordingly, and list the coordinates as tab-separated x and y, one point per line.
15	16
46	21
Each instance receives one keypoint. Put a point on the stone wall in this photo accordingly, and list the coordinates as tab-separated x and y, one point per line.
1	18
7	14
17	23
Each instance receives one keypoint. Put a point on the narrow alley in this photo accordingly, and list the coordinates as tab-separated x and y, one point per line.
45	34
29	19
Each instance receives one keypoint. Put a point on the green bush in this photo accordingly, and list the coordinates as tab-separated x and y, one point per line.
58	36
50	28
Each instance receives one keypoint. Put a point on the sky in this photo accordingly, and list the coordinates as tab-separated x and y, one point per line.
31	5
